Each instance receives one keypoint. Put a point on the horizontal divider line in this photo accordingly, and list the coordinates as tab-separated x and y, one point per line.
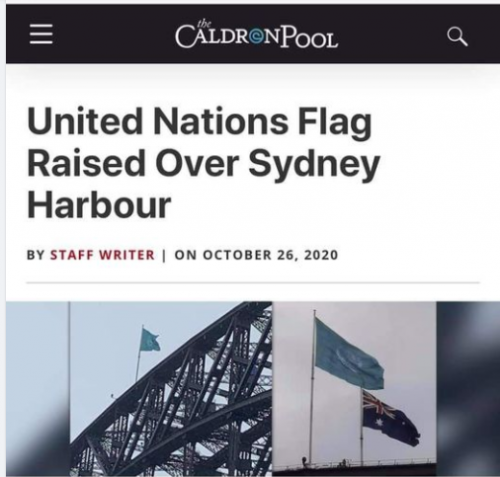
253	283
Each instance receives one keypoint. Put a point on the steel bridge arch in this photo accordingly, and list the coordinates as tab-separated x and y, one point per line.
204	410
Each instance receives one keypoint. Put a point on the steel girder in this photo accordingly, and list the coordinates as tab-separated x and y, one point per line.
204	410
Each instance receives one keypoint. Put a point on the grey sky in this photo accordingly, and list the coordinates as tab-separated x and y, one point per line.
37	373
402	336
105	342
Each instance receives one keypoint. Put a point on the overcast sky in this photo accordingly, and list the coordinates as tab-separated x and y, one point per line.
401	336
37	373
105	343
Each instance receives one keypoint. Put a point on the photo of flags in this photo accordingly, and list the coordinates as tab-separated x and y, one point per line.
371	405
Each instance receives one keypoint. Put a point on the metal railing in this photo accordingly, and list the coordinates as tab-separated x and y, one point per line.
352	463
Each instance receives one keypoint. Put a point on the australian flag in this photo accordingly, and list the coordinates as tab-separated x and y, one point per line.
390	421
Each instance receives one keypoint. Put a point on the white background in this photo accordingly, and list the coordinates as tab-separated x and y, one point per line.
425	228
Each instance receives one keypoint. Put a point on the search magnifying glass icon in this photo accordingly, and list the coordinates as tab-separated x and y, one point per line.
455	34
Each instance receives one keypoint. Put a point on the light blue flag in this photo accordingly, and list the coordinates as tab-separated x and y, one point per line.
148	341
342	359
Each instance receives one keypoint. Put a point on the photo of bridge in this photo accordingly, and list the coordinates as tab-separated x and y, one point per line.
205	409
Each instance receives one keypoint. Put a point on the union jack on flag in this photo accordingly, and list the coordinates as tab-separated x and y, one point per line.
371	402
388	420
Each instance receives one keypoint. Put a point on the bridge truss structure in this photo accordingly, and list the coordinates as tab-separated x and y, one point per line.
204	410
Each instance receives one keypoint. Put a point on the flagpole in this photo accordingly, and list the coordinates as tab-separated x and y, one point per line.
361	438
312	387
139	356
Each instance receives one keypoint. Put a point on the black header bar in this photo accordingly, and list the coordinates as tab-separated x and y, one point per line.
253	33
